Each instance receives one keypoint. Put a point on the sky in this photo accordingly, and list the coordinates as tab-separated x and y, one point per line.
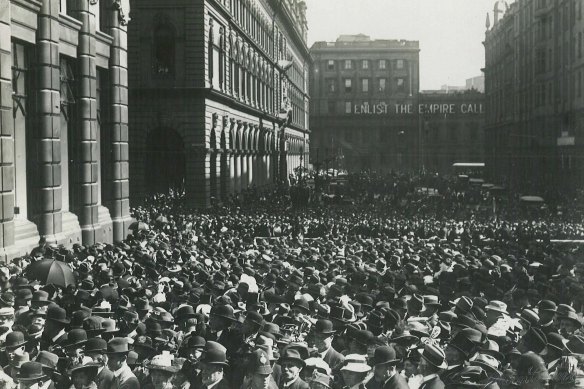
450	31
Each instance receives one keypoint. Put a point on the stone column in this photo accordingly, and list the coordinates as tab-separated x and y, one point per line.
213	174
117	20
244	171
251	170
198	177
86	168
218	177
237	170
48	163
7	240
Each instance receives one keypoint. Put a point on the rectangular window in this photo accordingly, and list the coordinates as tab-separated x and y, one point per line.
348	85
331	64
365	64
331	85
348	64
382	84
348	107
400	84
399	64
382	64
365	85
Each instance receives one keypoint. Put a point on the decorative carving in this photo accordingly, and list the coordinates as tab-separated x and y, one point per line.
215	120
225	120
123	7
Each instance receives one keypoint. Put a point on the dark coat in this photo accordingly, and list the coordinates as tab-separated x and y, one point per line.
104	379
396	382
299	384
223	384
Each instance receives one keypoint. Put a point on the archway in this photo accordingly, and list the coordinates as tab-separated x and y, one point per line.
165	161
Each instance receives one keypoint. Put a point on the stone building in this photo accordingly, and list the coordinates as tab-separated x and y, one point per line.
63	123
360	93
534	67
211	83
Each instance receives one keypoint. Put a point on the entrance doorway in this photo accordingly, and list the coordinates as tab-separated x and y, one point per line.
165	162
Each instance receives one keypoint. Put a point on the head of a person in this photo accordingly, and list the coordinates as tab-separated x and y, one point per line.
384	362
252	324
453	355
211	373
568	327
160	378
355	369
323	341
291	363
116	361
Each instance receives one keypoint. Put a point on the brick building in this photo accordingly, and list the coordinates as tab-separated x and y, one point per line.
359	88
63	123
210	83
533	84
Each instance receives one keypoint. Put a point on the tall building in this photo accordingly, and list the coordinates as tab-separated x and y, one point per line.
211	83
363	92
533	85
63	123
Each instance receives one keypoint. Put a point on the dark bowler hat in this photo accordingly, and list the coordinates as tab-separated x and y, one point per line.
30	371
291	354
547	305
214	356
75	338
259	363
143	304
529	316
57	314
14	340
117	346
324	327
93	326
340	314
255	318
95	345
435	356
272	328
384	355
302	304
224	311
184	312
195	342
466	341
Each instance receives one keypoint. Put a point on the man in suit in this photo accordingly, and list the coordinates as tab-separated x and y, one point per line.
213	363
292	364
385	374
117	352
95	348
323	341
355	371
433	361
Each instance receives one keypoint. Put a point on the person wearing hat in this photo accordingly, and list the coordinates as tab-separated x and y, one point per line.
546	310
221	321
31	375
320	381
117	355
259	372
83	374
432	362
291	364
74	344
385	374
569	323
323	335
95	348
54	332
355	371
161	370
213	363
15	343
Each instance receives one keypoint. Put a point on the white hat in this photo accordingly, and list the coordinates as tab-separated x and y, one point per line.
318	363
356	363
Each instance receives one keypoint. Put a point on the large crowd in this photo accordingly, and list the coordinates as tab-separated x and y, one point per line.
393	289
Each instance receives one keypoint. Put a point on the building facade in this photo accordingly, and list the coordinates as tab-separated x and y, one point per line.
361	90
211	82
533	84
63	123
452	128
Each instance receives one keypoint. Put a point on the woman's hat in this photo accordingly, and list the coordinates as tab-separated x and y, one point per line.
162	362
356	363
30	371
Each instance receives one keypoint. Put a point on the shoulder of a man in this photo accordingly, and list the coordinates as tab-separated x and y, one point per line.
396	382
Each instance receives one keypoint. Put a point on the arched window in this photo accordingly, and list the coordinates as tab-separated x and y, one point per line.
163	49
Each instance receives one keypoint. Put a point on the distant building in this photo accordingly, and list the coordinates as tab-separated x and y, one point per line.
477	83
210	84
363	93
535	106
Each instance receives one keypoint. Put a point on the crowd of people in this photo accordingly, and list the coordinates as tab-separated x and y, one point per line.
259	294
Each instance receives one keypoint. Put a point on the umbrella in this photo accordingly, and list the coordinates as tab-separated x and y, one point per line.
51	271
139	226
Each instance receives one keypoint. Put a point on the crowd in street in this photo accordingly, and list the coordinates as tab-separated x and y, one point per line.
395	290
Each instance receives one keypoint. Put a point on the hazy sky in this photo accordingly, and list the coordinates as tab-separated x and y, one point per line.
450	31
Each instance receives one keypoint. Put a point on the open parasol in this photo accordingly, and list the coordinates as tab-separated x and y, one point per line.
51	271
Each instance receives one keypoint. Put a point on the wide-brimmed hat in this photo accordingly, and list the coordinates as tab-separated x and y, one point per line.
291	354
573	317
575	345
162	362
384	355
48	360
435	356
322	379
488	363
30	371
40	297
497	306
224	311
356	363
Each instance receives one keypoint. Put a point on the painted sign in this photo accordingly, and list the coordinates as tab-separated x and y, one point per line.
424	109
